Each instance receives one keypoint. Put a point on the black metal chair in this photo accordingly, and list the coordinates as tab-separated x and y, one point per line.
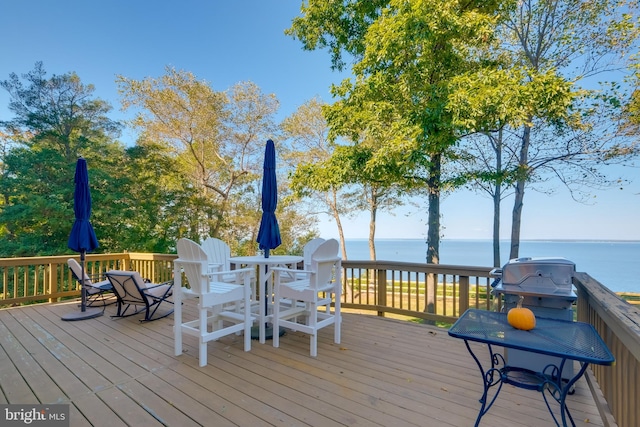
133	293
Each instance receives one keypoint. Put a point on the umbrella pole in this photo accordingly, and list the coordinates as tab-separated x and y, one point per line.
255	330
82	237
83	291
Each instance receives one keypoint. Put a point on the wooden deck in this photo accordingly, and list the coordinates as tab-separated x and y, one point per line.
117	372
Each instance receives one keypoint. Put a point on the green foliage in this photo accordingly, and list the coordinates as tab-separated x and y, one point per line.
539	115
214	145
631	118
493	98
429	76
406	54
213	137
339	25
146	206
147	196
59	112
56	120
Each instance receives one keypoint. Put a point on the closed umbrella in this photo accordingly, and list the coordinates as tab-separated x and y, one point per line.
269	233
82	238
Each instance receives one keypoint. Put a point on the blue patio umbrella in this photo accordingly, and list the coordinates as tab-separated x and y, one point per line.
82	238
269	233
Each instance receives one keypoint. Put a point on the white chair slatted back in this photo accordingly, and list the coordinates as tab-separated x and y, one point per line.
323	261
304	304
218	252
309	249
196	268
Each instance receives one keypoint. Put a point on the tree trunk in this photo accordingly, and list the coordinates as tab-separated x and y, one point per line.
516	217
496	226
373	209
497	198
433	232
336	216
343	246
516	220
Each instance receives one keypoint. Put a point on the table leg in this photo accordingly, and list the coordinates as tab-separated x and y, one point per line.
546	383
177	311
559	391
262	275
263	331
490	378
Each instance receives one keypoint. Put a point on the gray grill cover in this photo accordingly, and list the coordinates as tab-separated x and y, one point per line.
542	275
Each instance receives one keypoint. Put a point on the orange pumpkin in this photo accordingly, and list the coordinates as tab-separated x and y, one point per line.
521	317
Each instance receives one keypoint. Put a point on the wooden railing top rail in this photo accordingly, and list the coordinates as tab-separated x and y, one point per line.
618	323
619	315
23	261
459	270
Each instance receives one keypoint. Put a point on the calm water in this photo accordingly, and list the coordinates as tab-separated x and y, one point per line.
614	264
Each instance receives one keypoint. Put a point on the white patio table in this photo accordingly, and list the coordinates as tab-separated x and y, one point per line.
265	285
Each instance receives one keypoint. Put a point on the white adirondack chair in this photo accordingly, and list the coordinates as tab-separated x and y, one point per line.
310	298
224	308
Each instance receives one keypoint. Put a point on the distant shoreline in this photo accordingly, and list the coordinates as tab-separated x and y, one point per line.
611	262
501	241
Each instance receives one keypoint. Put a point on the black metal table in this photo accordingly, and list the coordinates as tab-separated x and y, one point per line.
569	341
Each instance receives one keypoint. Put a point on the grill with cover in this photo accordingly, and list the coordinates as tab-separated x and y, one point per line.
546	283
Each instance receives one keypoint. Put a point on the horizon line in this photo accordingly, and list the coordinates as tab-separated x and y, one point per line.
502	240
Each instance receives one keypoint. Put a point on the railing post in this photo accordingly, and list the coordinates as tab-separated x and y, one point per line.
429	295
463	298
52	284
382	291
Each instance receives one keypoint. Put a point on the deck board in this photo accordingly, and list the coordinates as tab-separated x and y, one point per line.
120	372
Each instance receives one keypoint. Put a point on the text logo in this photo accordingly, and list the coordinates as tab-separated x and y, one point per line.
34	415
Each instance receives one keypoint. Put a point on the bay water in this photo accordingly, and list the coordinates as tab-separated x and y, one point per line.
615	264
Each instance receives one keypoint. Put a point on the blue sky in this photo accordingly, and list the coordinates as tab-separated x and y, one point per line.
225	42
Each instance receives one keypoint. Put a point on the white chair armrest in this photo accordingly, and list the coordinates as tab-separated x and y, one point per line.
292	273
236	272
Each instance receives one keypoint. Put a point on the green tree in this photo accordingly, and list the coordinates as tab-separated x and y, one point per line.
571	42
56	120
308	149
371	187
216	140
212	134
405	55
487	107
187	116
60	112
543	118
153	200
631	115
